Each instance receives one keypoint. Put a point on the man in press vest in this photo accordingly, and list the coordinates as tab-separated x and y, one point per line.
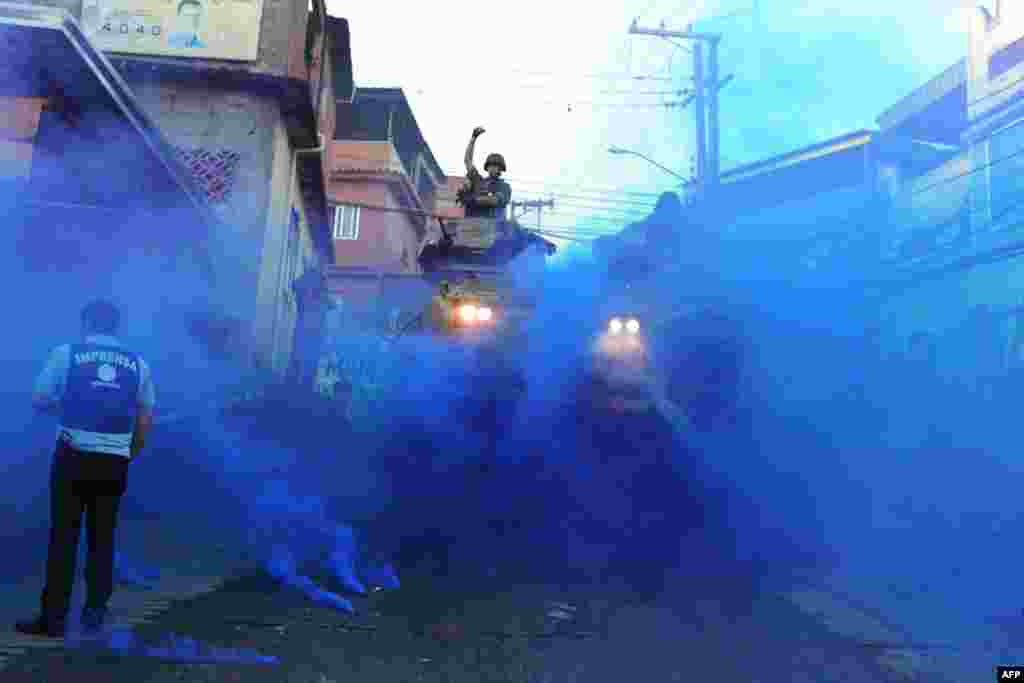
104	397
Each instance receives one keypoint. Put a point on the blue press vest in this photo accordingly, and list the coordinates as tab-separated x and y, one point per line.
101	396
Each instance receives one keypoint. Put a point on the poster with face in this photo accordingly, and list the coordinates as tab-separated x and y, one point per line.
188	26
207	29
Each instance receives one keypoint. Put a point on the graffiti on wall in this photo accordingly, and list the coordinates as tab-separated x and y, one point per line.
215	170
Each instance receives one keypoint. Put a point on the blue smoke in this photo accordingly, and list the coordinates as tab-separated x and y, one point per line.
282	565
172	646
133	573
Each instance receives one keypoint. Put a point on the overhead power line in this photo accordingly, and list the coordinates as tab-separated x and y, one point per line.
579	191
591	103
576	209
438	215
841	225
601	76
576	187
524	186
678	92
566	195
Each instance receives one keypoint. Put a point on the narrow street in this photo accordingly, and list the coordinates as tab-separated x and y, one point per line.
722	393
426	631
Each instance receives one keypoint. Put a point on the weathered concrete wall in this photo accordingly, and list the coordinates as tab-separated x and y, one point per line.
275	243
194	117
984	180
401	245
257	212
298	257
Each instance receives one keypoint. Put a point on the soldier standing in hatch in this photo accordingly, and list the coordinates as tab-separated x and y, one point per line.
104	397
485	197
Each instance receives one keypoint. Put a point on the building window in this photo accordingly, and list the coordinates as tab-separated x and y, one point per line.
346	222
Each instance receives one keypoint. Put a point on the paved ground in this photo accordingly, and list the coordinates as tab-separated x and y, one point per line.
429	632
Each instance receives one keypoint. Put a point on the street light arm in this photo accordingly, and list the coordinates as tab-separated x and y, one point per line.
618	150
689	35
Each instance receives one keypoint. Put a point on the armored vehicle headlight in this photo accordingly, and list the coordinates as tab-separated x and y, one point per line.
467	313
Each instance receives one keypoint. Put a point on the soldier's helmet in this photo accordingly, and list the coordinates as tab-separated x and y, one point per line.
495	160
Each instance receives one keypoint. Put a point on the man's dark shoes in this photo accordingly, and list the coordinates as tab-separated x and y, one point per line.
40	627
93	619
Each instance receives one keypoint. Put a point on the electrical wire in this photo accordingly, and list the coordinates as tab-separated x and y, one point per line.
595	103
613	195
431	214
682	92
994	255
564	208
992	222
946	181
599	76
565	195
560	237
519	181
994	93
855	222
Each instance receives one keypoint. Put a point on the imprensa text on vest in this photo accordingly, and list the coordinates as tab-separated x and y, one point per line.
112	357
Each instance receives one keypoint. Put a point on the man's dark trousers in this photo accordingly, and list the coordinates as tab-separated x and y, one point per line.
89	484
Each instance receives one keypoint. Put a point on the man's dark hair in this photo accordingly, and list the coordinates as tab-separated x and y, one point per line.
101	316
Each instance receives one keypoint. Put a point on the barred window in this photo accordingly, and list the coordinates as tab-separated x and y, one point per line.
346	222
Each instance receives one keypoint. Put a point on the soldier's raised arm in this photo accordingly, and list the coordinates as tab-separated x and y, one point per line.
471	147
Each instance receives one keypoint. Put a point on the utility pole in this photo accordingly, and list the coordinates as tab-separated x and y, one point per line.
701	107
531	204
706	89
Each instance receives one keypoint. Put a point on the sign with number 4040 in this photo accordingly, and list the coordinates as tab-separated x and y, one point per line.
205	29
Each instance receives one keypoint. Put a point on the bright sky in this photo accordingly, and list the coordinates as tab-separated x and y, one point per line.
556	83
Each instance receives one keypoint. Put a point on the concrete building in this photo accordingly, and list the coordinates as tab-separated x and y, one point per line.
221	114
383	186
805	204
953	255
